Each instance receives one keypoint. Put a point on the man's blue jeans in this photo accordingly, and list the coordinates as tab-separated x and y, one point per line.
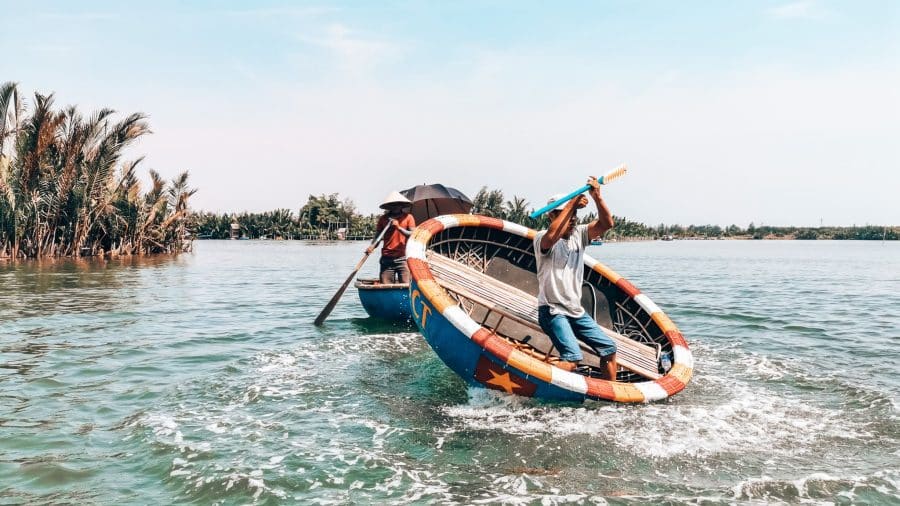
565	331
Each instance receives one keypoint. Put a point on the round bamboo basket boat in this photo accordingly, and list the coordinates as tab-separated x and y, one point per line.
473	297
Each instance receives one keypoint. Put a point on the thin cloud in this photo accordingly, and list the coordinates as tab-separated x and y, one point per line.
57	49
279	12
79	16
804	9
354	53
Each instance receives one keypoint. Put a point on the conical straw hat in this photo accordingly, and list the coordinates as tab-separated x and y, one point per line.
394	198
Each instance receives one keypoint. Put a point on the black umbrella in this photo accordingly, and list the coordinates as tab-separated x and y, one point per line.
430	200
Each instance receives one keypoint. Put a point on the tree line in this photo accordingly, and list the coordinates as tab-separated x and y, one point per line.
492	203
323	215
66	191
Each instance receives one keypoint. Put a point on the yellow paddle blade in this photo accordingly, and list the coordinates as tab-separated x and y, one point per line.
614	174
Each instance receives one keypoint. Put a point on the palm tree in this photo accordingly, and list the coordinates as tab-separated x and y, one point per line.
61	192
516	210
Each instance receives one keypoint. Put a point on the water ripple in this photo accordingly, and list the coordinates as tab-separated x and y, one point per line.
200	379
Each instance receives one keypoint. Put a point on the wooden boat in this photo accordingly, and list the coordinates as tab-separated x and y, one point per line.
388	301
473	298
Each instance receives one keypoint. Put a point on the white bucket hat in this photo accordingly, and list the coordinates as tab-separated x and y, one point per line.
394	198
554	198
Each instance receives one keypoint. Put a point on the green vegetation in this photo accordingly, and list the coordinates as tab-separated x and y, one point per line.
65	191
868	232
324	215
492	203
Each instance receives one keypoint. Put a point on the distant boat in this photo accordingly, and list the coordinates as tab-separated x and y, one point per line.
667	238
596	242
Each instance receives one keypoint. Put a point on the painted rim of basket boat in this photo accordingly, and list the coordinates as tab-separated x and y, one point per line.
671	383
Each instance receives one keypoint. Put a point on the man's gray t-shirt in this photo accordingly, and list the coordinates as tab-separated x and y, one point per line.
560	272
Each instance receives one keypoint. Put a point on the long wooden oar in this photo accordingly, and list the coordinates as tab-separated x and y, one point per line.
604	179
337	296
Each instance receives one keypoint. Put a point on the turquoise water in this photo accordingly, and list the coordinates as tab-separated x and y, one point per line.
201	379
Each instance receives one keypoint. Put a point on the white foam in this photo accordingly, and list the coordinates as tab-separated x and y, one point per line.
734	417
809	488
276	362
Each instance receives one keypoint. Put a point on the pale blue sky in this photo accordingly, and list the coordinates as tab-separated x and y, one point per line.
777	112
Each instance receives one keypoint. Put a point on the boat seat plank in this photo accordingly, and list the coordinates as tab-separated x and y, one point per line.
522	307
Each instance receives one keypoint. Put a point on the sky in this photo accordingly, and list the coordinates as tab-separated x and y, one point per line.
773	112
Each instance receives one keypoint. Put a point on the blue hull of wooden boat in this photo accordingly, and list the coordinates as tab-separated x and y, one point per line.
387	302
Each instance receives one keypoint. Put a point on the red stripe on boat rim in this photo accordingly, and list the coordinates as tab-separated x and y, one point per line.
418	269
490	222
599	388
629	289
481	336
670	384
498	347
675	338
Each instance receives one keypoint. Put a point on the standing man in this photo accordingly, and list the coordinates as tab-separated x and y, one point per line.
393	251
559	251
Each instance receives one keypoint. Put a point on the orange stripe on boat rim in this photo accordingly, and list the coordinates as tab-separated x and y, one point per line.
469	220
664	322
436	295
599	388
530	366
611	275
681	373
626	392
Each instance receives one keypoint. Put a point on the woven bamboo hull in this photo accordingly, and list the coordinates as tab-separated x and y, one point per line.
466	338
384	301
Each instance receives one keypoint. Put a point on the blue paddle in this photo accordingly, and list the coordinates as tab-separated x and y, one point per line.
604	179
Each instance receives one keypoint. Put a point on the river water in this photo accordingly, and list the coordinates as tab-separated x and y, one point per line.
201	379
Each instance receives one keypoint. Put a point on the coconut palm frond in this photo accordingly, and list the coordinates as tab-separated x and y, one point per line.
65	190
9	119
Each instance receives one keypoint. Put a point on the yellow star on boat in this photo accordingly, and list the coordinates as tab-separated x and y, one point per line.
503	381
